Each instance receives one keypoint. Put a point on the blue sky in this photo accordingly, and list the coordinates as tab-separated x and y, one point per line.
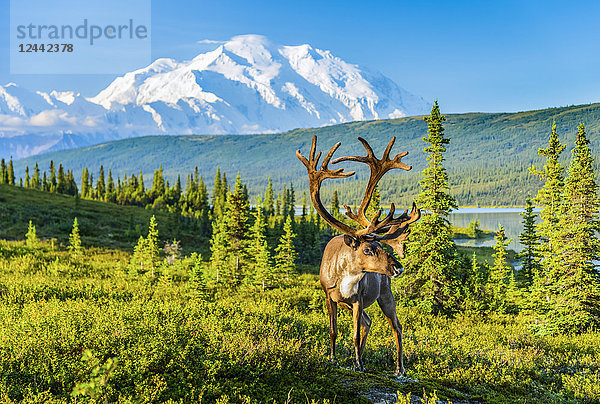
470	55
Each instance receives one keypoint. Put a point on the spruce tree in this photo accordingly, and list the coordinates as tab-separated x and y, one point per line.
269	201
3	172
152	251
100	185
74	240
31	239
220	246
530	239
432	265
158	185
285	253
237	212
197	278
476	298
61	182
27	178
550	199
85	178
11	172
375	203
111	193
53	183
575	283
258	251
335	206
35	179
500	273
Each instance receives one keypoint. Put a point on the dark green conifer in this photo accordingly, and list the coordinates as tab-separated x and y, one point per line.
431	280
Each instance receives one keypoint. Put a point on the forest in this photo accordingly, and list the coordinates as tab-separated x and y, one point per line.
114	291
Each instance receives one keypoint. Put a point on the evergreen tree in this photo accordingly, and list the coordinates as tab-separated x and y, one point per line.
151	250
46	185
31	236
258	251
335	206
530	239
141	190
100	185
53	183
220	245
269	201
197	278
75	240
499	274
550	199
85	184
285	258
61	183
111	193
158	184
27	178
375	203
11	172
432	265
292	202
476	298
304	203
575	283
3	172
35	180
237	211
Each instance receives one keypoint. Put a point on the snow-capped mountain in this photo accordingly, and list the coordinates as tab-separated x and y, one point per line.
245	85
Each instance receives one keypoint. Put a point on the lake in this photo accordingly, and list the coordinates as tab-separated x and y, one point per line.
489	219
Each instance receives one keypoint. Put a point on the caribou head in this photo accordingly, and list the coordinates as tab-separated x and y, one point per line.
355	269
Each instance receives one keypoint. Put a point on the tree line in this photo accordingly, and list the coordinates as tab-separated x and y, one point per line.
558	283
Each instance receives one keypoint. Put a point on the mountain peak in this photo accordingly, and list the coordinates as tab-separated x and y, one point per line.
248	84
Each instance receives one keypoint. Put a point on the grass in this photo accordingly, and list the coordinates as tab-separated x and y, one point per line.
171	342
101	224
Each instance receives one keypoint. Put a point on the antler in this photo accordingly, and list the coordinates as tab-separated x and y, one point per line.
398	233
378	168
316	177
395	228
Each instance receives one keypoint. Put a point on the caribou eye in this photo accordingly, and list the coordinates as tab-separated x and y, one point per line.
367	251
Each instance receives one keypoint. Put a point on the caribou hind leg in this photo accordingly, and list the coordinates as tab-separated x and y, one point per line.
388	306
365	322
332	310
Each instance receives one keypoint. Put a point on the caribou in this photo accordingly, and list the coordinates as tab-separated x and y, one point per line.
355	269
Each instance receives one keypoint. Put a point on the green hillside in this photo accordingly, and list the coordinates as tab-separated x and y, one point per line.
487	159
100	223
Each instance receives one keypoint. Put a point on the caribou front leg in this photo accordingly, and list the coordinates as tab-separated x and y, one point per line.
357	314
388	306
332	310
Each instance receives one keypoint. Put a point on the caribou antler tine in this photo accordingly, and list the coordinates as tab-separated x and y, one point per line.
388	149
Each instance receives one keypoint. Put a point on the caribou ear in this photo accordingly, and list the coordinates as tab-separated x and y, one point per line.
351	242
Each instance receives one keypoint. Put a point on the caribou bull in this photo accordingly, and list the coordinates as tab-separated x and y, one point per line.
355	270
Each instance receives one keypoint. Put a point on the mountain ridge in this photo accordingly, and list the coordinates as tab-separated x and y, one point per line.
490	149
247	85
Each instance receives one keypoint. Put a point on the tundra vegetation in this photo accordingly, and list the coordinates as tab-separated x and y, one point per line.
191	297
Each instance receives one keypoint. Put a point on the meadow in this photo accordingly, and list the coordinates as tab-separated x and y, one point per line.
85	329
